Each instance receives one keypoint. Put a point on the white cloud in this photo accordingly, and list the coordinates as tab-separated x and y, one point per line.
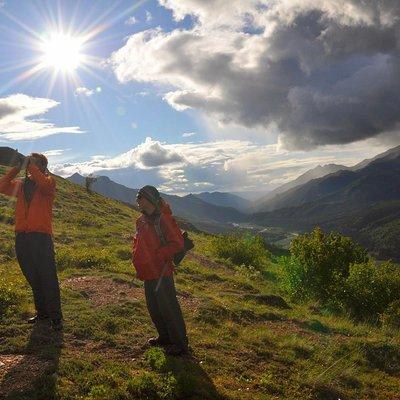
84	91
149	16
148	155
189	134
134	125
16	122
322	72
225	165
55	153
131	21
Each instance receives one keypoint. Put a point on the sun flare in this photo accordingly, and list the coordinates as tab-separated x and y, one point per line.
62	52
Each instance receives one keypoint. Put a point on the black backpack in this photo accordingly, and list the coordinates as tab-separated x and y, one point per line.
187	242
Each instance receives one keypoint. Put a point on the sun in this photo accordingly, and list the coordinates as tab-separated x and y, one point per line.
62	52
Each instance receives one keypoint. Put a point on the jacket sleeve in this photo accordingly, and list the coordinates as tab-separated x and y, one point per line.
46	184
8	185
173	237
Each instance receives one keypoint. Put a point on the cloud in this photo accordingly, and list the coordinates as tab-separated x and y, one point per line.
323	72
189	134
153	154
131	21
15	123
224	165
84	91
150	154
134	125
55	152
149	16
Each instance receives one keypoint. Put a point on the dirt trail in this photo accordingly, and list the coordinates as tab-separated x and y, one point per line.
102	291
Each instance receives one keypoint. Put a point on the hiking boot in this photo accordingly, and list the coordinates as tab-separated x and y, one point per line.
37	318
158	341
175	350
57	324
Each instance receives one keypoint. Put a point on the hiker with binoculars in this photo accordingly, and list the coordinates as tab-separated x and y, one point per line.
157	240
33	233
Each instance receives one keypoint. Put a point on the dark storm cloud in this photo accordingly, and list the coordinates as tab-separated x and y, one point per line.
324	73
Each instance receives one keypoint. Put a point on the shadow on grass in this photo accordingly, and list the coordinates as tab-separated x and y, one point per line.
193	381
32	375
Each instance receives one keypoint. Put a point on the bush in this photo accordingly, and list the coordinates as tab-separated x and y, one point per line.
156	359
370	289
9	297
89	221
7	250
142	387
124	253
391	317
81	258
242	250
319	265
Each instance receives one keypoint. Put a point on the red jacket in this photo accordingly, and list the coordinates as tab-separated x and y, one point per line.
149	256
36	216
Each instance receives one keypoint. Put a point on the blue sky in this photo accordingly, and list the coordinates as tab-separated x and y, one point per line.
193	96
118	117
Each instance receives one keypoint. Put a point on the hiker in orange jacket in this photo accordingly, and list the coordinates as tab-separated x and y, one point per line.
152	257
33	234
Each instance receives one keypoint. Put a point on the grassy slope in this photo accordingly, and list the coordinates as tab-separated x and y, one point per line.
242	348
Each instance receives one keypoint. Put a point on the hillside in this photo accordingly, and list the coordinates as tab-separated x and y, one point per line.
206	216
363	203
378	180
320	171
247	341
226	200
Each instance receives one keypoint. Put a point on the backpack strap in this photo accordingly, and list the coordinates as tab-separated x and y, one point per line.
157	226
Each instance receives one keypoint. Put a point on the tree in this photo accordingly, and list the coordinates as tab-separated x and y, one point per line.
89	180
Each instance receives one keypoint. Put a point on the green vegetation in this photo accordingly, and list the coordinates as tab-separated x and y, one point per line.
333	270
319	263
371	288
250	339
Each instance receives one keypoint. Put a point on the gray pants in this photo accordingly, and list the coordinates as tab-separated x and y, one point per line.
35	254
165	311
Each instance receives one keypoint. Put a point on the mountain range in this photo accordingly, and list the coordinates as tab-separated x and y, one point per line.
362	201
205	215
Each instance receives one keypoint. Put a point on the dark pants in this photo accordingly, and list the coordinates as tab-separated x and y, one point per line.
35	254
165	311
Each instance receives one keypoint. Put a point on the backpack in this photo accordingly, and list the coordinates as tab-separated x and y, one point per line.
187	242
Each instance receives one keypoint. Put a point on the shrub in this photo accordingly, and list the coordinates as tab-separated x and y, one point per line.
89	221
293	278
245	250
370	289
391	317
142	387
124	253
82	258
319	264
7	250
9	297
156	359
384	356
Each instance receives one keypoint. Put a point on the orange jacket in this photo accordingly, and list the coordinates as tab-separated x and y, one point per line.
38	215
149	256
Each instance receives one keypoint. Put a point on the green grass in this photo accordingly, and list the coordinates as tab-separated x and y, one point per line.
249	341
